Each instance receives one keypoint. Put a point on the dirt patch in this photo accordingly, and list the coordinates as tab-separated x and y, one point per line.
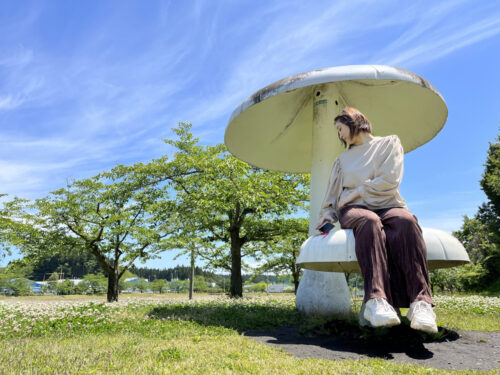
460	350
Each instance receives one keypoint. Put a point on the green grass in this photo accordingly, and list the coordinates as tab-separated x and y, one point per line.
90	354
167	334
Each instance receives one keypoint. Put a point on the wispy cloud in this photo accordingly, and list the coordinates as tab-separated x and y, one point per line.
293	39
111	96
94	109
20	56
445	211
447	223
289	41
438	30
9	102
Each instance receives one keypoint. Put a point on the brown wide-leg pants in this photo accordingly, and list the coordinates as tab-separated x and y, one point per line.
391	253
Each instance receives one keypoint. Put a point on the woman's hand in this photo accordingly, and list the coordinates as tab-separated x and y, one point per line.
323	221
349	197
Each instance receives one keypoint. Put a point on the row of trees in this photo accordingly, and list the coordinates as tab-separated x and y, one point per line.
177	272
91	284
203	201
13	284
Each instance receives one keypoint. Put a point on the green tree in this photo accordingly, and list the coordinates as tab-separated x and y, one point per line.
234	206
481	235
20	286
259	287
141	285
200	284
65	287
119	217
181	272
6	276
281	253
94	284
159	285
20	268
74	263
490	182
52	282
82	288
4	220
179	285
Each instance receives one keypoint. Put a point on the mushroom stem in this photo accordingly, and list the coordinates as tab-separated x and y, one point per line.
325	146
323	293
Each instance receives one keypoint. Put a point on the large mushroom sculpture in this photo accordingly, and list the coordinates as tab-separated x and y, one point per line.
287	126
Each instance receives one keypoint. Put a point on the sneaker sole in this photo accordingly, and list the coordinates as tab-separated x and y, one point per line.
428	328
390	323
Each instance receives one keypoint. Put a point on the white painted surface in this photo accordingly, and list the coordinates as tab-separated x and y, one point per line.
335	252
323	293
272	128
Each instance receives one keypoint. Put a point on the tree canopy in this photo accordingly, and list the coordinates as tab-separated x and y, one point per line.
203	200
480	235
119	217
231	206
281	254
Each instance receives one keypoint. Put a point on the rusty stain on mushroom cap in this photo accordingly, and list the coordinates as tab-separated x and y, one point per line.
271	129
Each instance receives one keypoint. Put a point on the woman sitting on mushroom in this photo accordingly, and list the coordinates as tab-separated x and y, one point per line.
363	195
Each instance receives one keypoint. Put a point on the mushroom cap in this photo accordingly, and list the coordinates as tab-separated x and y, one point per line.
272	129
335	252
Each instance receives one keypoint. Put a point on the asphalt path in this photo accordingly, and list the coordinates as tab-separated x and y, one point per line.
457	350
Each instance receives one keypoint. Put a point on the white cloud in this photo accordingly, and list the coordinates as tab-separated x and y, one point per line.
296	40
97	105
436	32
8	102
21	56
283	47
447	223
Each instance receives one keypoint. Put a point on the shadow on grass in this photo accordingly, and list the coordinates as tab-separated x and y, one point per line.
286	326
345	335
400	334
234	316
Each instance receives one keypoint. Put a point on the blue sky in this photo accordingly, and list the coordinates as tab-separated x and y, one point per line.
90	84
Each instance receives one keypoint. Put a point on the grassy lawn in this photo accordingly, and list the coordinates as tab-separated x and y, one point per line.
169	334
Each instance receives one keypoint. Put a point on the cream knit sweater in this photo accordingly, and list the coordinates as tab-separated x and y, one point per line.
376	167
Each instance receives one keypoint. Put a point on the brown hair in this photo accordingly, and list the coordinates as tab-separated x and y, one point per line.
355	121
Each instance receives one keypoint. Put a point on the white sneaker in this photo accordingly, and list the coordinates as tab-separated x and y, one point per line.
422	317
379	313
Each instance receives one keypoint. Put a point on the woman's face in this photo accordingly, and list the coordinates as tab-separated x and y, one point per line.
343	131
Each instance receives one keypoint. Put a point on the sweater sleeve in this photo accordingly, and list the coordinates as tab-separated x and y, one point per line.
329	207
381	189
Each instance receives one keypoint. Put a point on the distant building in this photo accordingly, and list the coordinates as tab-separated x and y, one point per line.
278	288
36	287
134	279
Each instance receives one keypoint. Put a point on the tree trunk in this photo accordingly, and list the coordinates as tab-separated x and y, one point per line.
191	276
236	290
113	286
296	274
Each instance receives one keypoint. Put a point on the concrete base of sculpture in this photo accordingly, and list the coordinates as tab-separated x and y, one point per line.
323	293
